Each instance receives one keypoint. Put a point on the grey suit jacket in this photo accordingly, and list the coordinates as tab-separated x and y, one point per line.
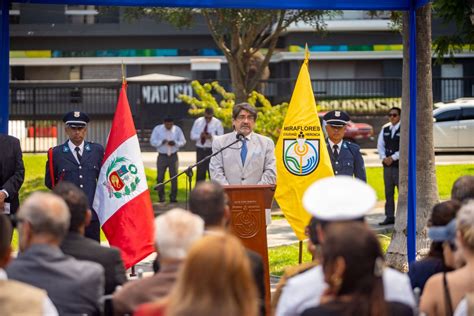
226	167
74	286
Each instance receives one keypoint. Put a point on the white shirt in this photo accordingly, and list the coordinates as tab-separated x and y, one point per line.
214	127
339	145
461	309
72	147
48	306
304	290
161	133
381	143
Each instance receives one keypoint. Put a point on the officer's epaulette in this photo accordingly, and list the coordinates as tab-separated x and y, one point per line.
296	270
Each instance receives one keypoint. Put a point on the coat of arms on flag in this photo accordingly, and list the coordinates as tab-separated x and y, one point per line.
301	155
121	179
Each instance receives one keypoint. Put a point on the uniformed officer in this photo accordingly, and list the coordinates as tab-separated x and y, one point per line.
345	155
331	201
77	161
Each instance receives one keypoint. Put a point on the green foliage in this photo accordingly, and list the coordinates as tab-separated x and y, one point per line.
457	12
270	118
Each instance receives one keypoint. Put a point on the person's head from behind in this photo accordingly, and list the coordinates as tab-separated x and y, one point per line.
175	232
6	232
463	188
216	279
323	200
42	219
244	116
465	229
353	266
209	201
442	214
77	203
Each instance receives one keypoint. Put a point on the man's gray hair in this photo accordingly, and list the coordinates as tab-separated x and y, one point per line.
463	188
47	214
246	107
175	232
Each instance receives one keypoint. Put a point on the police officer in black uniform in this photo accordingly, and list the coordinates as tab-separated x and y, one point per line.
77	161
388	146
345	156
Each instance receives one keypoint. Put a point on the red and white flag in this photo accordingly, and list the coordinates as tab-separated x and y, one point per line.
122	200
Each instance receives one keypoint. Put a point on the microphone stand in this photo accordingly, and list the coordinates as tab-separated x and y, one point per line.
189	169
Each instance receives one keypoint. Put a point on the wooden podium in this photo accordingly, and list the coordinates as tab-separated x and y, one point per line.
248	206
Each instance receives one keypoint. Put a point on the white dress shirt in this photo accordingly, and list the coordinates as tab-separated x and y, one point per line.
331	145
48	306
381	143
72	147
214	127
161	133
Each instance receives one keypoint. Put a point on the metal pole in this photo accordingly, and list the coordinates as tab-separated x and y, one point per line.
4	64
411	207
300	254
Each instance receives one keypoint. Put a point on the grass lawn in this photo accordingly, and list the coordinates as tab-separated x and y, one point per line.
35	167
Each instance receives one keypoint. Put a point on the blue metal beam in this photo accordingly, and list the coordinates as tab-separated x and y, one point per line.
4	64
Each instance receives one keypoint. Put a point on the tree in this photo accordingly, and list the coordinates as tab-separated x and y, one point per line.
240	34
426	187
270	117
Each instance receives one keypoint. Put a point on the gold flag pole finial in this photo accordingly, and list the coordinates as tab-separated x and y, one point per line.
124	80
306	53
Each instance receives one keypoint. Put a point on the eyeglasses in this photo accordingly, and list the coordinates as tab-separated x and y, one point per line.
244	117
393	115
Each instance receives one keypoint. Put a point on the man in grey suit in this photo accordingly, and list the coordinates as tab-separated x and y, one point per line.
74	286
251	161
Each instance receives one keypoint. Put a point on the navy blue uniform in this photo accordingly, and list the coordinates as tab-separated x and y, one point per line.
84	175
349	162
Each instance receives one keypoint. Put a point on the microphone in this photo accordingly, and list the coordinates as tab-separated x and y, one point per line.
240	136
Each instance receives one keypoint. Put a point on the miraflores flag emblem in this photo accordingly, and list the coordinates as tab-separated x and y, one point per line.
301	153
122	200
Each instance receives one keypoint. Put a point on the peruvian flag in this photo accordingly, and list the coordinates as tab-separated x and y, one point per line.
122	200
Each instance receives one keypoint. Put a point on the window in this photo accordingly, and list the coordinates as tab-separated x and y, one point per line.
467	113
447	116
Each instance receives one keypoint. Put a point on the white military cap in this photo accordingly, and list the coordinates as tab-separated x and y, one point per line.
339	198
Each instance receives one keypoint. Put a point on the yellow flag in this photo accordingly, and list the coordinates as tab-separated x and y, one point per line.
301	153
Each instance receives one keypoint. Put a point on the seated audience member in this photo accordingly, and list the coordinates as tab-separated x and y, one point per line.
420	271
82	248
175	232
14	294
74	286
444	291
290	272
209	201
215	280
353	266
463	189
323	200
466	306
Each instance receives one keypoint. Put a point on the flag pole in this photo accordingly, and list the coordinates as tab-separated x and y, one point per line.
124	80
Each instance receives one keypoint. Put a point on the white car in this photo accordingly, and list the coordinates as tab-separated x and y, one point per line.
453	125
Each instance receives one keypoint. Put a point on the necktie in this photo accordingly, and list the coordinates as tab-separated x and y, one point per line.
336	154
78	155
243	151
203	139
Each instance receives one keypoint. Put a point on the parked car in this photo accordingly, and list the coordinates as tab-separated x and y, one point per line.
453	127
355	132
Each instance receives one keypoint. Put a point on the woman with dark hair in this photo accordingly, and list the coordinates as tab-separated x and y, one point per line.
353	265
435	262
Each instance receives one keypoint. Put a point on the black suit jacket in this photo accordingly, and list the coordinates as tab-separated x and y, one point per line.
258	274
83	248
12	170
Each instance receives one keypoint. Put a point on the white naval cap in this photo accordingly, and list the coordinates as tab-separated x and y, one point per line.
339	198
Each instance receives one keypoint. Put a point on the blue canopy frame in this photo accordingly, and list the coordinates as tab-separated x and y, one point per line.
401	5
